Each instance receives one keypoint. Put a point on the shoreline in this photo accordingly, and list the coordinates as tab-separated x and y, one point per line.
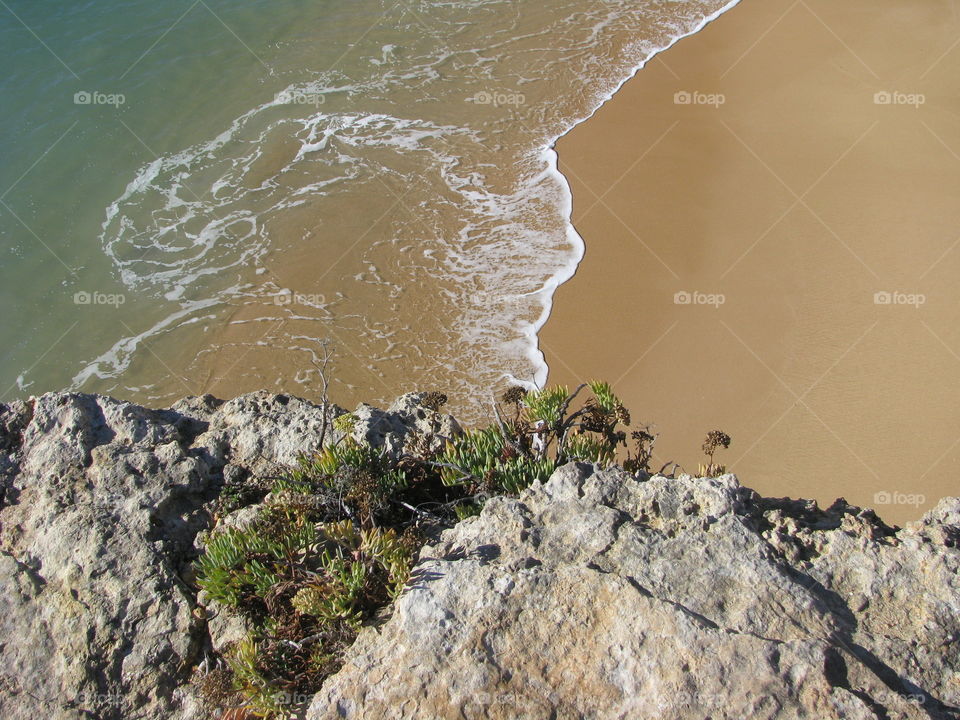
551	156
251	327
718	215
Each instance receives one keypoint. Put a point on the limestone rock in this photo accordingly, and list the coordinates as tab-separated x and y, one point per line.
258	433
592	595
95	618
595	595
102	501
406	418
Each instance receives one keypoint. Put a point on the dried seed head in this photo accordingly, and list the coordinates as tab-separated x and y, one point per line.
434	401
514	395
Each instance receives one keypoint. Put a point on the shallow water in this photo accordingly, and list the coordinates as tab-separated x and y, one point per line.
236	186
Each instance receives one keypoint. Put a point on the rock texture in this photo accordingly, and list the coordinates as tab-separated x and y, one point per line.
390	428
599	596
594	595
100	503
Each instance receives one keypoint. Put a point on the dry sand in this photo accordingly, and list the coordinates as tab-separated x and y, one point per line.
797	200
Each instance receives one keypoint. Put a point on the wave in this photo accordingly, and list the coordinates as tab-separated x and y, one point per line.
466	200
551	159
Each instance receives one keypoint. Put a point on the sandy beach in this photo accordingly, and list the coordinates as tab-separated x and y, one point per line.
769	210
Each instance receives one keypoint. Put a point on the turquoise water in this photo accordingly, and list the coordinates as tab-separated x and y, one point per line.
197	195
64	163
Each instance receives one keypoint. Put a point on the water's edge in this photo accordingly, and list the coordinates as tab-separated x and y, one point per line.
550	155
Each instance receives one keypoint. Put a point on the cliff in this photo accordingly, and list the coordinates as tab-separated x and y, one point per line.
595	594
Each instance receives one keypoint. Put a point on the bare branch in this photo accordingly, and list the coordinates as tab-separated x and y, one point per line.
324	397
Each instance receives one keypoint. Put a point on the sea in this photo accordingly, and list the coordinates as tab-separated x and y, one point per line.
221	196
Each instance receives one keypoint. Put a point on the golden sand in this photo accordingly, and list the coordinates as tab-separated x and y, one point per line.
772	223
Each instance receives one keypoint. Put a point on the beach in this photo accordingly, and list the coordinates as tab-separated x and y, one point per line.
766	209
367	182
771	236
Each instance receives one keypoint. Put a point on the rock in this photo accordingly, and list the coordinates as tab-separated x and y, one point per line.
592	595
595	595
405	419
96	620
224	627
13	421
941	525
258	433
102	503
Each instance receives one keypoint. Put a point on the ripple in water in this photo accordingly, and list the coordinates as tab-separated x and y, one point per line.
402	204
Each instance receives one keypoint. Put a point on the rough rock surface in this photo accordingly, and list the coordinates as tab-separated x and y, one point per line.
391	428
595	595
100	503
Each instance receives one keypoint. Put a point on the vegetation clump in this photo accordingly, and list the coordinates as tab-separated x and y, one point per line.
537	432
644	441
331	544
333	540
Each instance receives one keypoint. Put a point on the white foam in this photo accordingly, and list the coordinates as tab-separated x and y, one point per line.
549	155
166	241
118	357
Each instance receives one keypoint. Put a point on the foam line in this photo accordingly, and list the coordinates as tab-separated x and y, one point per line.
550	157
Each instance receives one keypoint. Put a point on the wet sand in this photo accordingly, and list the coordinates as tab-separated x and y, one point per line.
773	236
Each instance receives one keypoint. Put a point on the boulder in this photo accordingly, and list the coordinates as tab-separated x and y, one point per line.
596	595
102	502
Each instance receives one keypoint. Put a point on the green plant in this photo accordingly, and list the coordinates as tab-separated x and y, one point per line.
604	397
306	572
343	590
345	423
349	453
471	456
299	583
547	406
239	564
519	474
250	681
590	448
335	537
349	479
553	424
491	463
542	434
